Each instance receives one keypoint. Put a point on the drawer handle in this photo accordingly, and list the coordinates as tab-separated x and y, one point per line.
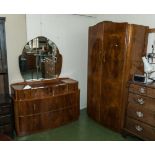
139	114
142	90
140	101
139	128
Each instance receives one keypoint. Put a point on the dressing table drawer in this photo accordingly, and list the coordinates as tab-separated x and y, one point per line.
36	106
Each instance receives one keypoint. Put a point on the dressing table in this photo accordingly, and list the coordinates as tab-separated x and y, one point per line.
48	101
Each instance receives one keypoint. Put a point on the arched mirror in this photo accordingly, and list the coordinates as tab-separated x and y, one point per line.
40	59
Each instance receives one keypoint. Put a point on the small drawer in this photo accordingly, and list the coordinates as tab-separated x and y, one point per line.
39	93
142	101
5	119
138	89
136	99
140	129
72	84
7	128
142	114
5	109
60	89
73	87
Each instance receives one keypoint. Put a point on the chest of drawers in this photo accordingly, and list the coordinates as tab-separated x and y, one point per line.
140	110
47	104
6	115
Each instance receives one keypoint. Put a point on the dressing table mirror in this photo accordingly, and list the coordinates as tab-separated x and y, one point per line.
43	101
40	59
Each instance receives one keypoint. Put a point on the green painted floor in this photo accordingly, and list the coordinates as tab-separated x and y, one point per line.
85	129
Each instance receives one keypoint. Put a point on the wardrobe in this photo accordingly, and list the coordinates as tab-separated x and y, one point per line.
114	55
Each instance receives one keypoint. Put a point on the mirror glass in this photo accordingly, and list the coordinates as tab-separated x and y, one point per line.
40	59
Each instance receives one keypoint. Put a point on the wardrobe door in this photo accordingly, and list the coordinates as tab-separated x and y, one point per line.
138	45
94	71
114	55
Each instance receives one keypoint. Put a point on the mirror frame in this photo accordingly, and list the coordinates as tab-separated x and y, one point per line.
46	61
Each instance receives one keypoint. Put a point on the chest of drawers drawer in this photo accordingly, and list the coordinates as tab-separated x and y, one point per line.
142	90
5	109
7	129
6	115
141	101
138	89
139	113
5	119
140	129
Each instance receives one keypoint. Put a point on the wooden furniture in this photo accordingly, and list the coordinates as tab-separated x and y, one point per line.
5	137
6	114
47	104
140	110
115	54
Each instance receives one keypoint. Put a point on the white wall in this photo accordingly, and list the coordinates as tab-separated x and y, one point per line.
70	34
15	29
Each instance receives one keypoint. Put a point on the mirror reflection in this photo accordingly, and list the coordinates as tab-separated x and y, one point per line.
40	59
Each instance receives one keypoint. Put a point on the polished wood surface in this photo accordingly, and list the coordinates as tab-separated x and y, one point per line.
140	110
94	71
47	104
113	69
115	51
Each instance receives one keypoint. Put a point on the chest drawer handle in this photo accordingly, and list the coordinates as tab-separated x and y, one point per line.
139	128
142	90
140	101
139	114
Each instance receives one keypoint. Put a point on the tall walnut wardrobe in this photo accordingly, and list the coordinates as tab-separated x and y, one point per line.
114	55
